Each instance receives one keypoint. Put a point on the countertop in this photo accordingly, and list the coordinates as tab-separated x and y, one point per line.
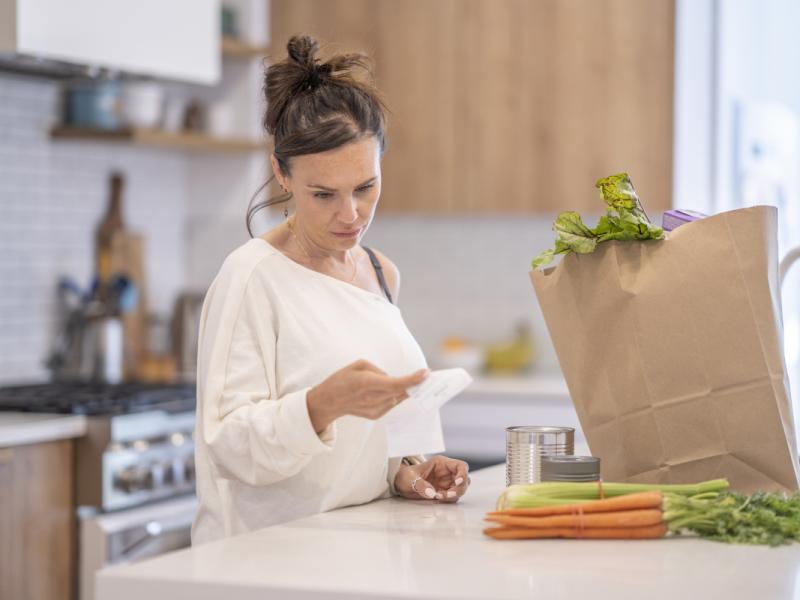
397	548
19	428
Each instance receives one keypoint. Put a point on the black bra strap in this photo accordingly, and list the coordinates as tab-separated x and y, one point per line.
379	272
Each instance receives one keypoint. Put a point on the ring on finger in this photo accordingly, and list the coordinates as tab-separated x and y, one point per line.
414	484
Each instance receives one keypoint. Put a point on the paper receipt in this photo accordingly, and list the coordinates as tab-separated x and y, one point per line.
413	426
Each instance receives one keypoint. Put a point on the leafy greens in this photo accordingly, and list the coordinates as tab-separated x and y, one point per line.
625	220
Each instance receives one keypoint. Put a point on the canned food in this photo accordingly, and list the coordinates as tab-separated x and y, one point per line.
525	446
570	468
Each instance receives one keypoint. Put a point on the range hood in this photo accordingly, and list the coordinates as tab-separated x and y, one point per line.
177	40
43	67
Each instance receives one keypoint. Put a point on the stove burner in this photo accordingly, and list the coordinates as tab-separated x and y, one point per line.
98	398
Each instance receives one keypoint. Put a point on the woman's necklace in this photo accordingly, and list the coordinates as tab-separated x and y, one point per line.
303	248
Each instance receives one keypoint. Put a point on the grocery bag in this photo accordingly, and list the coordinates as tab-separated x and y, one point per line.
673	353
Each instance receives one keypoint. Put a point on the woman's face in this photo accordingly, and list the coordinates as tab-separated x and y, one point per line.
335	192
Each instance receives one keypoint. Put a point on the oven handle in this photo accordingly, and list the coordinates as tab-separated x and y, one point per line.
152	530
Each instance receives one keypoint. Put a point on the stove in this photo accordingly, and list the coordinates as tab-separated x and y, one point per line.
134	468
85	398
139	445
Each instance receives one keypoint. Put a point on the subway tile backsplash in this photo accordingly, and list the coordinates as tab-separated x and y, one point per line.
52	195
465	276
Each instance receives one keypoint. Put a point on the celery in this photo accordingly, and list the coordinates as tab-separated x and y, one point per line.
552	492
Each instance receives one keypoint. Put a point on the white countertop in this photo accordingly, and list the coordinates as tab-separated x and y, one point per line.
403	549
545	383
18	428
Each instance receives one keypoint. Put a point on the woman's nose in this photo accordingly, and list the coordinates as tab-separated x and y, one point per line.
349	211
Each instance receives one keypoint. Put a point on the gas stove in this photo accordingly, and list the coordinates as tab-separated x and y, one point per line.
97	399
139	442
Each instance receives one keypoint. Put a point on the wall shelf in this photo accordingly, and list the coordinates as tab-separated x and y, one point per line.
194	142
236	48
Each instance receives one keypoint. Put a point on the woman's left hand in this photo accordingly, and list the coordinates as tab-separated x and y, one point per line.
440	478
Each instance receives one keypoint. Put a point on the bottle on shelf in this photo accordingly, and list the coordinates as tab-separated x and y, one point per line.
111	224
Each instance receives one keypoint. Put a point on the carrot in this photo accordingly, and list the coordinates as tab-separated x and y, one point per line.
628	502
622	518
609	533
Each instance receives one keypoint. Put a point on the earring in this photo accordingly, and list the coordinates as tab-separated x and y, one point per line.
286	213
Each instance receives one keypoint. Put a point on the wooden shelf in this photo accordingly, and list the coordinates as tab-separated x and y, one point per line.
235	48
195	142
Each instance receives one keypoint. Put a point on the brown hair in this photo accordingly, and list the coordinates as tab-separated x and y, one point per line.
315	106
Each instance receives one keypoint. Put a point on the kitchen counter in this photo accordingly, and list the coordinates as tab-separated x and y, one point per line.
404	549
18	428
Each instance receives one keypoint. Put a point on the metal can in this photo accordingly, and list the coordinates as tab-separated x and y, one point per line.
570	468
525	445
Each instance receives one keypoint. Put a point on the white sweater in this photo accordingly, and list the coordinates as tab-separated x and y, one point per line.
270	330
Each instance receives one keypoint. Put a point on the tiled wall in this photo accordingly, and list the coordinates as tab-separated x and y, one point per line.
461	276
52	195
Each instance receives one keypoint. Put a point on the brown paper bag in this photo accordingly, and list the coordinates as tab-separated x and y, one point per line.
673	353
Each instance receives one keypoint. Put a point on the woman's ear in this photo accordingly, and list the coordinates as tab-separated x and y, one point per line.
276	170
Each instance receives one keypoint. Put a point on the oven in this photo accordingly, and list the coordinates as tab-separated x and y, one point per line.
129	535
134	468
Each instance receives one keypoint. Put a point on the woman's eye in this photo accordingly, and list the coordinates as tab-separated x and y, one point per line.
325	195
322	195
365	188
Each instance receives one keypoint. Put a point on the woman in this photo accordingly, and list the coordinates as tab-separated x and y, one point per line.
302	350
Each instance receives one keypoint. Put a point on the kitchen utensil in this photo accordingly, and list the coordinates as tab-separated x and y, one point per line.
127	256
525	446
94	104
220	119
174	110
142	104
229	20
570	468
90	347
185	329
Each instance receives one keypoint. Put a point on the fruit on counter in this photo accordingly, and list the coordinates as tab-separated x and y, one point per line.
513	356
455	351
625	220
453	343
714	514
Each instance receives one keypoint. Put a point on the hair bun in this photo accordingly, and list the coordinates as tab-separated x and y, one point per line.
302	49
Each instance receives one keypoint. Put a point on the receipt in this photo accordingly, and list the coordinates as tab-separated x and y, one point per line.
413	426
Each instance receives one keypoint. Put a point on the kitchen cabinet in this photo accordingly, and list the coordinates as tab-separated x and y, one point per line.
177	40
509	106
37	521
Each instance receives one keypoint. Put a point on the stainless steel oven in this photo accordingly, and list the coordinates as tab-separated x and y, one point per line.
129	535
134	468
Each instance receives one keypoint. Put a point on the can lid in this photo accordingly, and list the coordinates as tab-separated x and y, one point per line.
539	434
563	465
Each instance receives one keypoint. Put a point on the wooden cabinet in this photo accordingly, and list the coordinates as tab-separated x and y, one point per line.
509	106
37	521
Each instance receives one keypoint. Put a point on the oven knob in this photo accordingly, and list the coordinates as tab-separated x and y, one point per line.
188	470
169	473
133	479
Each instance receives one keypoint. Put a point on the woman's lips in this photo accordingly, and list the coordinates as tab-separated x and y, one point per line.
347	234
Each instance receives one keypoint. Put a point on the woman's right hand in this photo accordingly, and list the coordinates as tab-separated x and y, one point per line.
360	389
